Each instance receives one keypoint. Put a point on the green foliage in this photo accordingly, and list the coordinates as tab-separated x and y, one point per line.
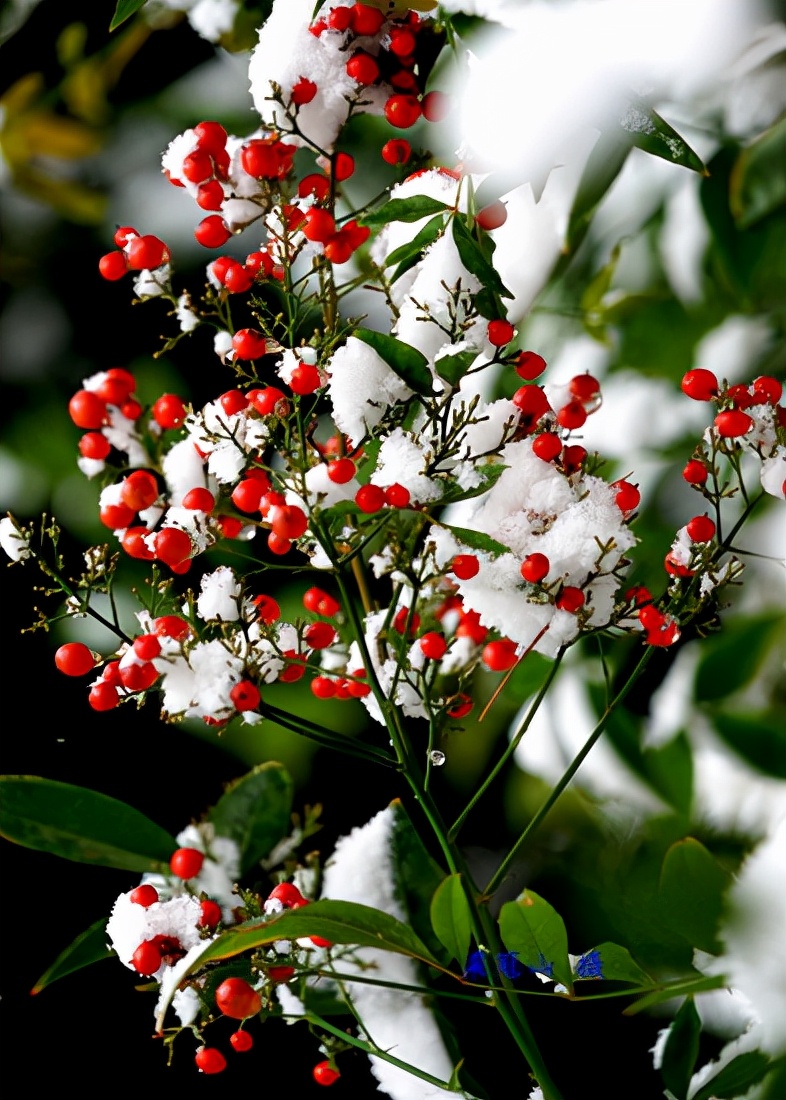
407	362
534	930
450	917
692	889
681	1050
254	811
89	947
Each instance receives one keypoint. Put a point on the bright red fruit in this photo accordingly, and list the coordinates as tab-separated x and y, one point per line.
701	529
465	566
695	472
237	999
499	656
241	1041
87	410
113	266
172	545
570	598
186	863
248	343
433	645
396	151
500	332
144	895
169	411
245	696
212	231
74	659
492	216
535	567
325	1074
103	696
210	1060
402	111
370	498
700	384
146	252
733	423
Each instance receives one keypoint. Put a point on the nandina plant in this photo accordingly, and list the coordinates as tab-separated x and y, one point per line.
381	435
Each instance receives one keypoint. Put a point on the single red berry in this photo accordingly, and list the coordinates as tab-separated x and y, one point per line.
740	396
325	1074
210	913
241	1041
695	472
465	566
343	166
570	598
171	626
116	516
402	618
237	279
500	332
323	687
535	567
732	423
675	568
123	234
767	388
572	416
339	19
402	42
546	446
146	252
305	378
197	166
470	627
402	110
210	1060
626	495
314	184
212	231
303	91
117	385
245	696
584	387
199	499
211	136
700	384
169	411
341	470
701	528
88	410
573	458
288	894
249	343
138	676
268	609
319	635
74	659
396	151
320	602
147	647
397	496
103	696
186	863
144	895
237	999
134	542
277	544
435	106
492	216
460	706
139	490
433	645
532	403
370	498
172	545
362	68
499	656
269	401
320	225
288	521
113	266
365	20
94	445
147	958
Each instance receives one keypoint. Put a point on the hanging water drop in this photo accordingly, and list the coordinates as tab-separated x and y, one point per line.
437	758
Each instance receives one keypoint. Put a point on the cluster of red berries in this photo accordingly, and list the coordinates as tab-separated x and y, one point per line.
733	422
134	252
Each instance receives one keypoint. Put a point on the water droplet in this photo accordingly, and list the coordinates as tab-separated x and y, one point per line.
436	757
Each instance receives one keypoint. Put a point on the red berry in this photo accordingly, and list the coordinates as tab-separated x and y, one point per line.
303	91
433	645
584	387
572	415
535	567
701	529
733	423
210	1060
241	1041
134	542
94	445
492	216
320	225
138	676
465	566
570	598
123	235
546	446
88	410
500	332
532	404
288	894
530	365
237	280
269	401
147	958
146	252
197	166
396	151
460	706
277	544
113	266
147	647
186	863
740	396
499	656
171	626
402	618
323	687
237	999
144	895
172	545
212	231
365	19
627	496
402	42
402	110
320	602
210	913
211	136
319	635
695	472
325	1074
767	388
397	496
341	470
305	378
700	384
435	106
245	696
139	490
362	68
74	659
103	696
288	521
169	411
249	343
573	458
340	18
370	498
314	184
199	500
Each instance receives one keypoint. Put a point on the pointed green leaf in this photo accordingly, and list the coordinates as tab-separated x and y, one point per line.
650	132
413	249
758	179
476	261
403	210
452	368
736	1078
614	963
691	893
416	874
604	164
698	984
88	947
536	932
476	540
124	10
255	812
407	362
681	1050
81	825
450	917
758	738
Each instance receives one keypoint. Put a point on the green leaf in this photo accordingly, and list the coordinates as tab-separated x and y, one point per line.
604	164
757	185
403	210
490	474
669	992
416	874
452	368
450	917
407	362
681	1050
124	10
536	932
736	1078
650	132
670	770
691	893
473	256
81	825
730	660
476	540
255	812
88	947
616	965
758	738
413	249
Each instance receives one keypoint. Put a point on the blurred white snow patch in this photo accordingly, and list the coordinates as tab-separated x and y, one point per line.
754	92
731	796
361	870
733	349
671	705
683	240
568	66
